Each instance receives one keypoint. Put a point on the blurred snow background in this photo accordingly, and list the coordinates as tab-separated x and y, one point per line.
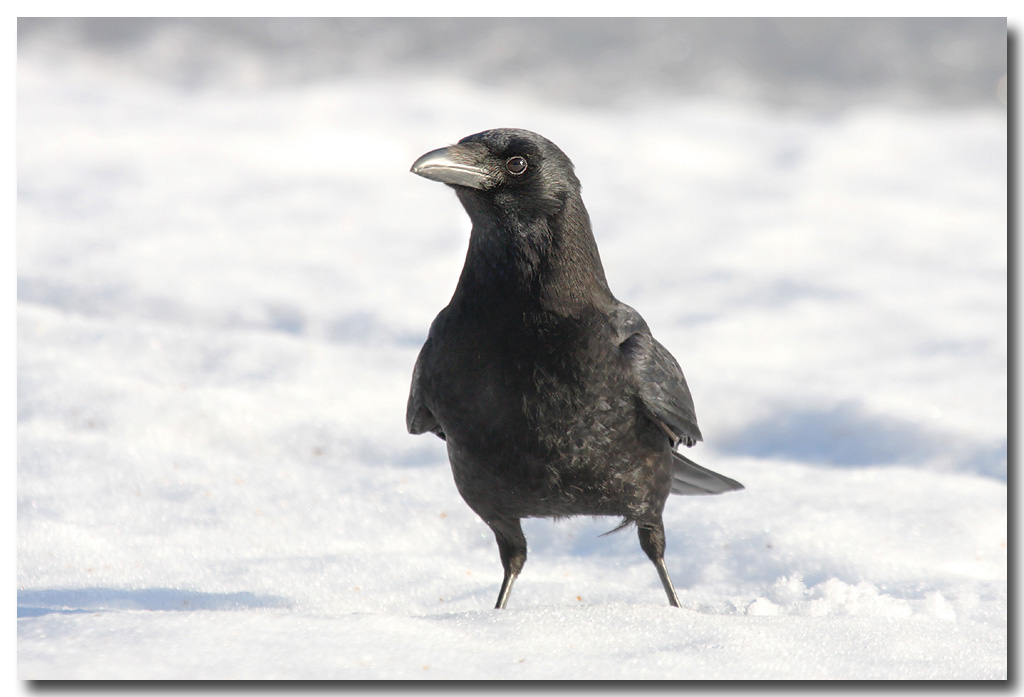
225	272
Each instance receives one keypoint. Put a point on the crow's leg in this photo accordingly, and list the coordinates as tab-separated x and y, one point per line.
512	548
652	541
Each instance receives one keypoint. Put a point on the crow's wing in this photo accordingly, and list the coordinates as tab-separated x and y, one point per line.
659	379
418	418
666	400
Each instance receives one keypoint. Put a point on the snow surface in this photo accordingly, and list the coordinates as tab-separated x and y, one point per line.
221	294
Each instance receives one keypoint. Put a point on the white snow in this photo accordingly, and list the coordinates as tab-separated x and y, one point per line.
221	294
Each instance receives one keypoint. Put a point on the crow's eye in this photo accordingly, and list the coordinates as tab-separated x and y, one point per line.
515	165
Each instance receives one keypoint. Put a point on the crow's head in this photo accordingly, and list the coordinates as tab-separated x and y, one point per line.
530	226
505	171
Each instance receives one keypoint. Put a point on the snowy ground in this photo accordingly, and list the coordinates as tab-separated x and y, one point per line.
221	294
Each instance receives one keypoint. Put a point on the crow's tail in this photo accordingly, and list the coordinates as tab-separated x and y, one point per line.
690	479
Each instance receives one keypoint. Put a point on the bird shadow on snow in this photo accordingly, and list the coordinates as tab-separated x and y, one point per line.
69	601
848	435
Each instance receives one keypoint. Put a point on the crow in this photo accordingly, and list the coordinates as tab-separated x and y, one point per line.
553	397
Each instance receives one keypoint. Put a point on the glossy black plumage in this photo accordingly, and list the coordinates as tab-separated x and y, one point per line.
553	397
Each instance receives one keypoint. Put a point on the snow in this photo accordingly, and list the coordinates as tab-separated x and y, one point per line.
221	294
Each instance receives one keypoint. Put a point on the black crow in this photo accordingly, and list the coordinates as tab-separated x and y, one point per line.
552	396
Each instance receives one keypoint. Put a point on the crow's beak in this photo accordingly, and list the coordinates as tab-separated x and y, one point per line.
458	165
